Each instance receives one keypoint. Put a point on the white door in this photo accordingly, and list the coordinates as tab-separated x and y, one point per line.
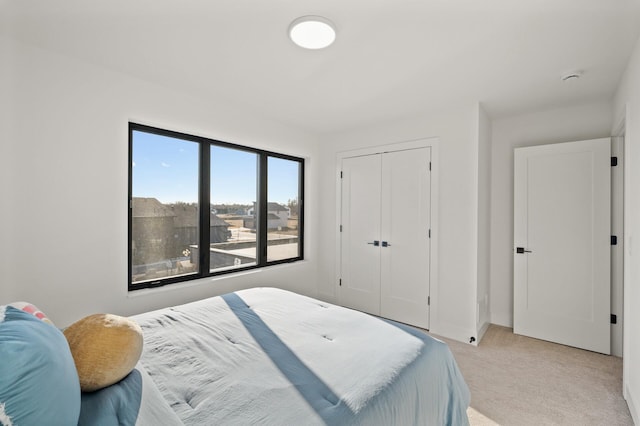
360	223
562	243
405	243
385	244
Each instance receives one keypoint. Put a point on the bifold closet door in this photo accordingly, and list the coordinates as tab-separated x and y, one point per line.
405	221
385	245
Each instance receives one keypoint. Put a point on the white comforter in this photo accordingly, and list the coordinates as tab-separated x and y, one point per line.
268	356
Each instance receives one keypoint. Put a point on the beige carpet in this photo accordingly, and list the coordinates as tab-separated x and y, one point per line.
516	380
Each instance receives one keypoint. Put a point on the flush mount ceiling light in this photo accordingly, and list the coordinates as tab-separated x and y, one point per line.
312	32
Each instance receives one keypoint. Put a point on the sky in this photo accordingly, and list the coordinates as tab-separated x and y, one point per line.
167	169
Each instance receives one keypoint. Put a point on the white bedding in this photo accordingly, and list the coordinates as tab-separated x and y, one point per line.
268	356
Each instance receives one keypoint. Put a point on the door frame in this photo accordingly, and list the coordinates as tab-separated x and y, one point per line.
620	131
617	251
432	143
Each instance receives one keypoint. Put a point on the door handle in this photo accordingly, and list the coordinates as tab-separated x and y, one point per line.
385	244
521	250
375	243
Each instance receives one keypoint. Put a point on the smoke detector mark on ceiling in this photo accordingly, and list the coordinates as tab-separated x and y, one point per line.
571	76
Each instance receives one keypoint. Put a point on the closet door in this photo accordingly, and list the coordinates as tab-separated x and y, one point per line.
360	237
405	243
385	243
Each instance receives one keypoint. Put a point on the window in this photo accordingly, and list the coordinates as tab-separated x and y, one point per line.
234	177
282	217
242	205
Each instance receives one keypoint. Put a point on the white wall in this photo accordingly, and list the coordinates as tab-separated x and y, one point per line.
453	306
6	186
65	237
580	122
626	106
484	222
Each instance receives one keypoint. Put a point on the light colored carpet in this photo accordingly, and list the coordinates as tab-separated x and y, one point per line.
516	380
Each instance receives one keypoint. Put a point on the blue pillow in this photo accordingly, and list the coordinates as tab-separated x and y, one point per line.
118	404
38	378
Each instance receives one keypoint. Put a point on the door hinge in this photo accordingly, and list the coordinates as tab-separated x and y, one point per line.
428	300
340	175
340	228
614	319
429	233
429	165
614	161
614	240
340	282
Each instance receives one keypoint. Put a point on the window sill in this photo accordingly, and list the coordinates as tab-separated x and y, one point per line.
132	294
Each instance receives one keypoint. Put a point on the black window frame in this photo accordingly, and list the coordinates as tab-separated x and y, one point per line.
204	182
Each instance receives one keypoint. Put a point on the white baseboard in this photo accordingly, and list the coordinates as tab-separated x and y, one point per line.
632	405
454	332
503	320
483	330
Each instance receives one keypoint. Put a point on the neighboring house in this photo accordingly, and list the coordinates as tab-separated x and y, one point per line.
186	225
278	216
163	231
219	231
153	223
276	222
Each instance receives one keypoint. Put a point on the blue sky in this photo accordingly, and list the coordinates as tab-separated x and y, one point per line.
167	169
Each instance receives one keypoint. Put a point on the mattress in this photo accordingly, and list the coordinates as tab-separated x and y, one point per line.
271	357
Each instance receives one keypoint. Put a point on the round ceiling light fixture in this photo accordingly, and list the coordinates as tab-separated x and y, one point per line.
312	32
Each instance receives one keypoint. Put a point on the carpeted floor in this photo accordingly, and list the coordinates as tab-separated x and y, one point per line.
516	380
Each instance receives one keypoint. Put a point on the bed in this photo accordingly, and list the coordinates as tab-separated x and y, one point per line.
272	357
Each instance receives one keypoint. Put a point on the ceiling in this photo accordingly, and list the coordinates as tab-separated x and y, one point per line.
391	59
